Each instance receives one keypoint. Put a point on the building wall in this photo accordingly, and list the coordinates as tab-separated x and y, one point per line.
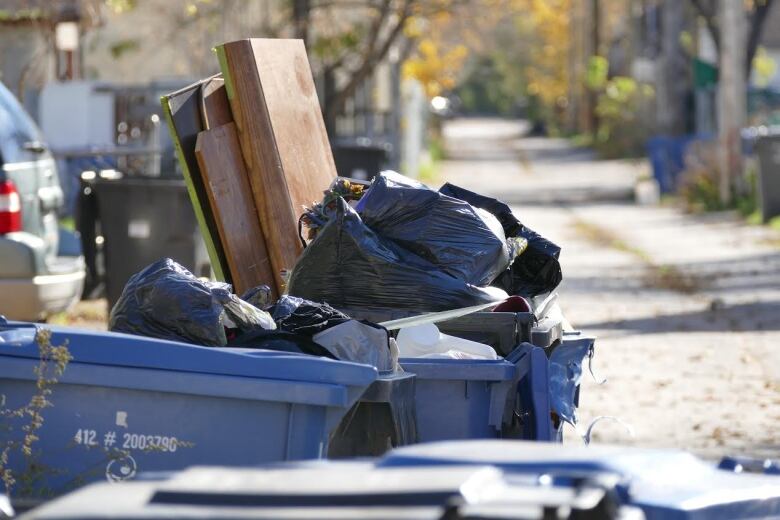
26	62
162	39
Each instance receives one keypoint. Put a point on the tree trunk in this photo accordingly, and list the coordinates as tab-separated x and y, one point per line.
732	93
595	36
674	68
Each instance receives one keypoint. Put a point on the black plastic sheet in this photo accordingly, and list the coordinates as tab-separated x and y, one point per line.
536	270
305	317
167	301
350	266
280	341
461	240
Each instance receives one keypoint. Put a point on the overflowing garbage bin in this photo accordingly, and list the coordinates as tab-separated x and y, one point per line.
128	404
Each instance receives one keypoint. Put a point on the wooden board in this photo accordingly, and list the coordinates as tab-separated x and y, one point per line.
215	107
222	166
182	111
282	134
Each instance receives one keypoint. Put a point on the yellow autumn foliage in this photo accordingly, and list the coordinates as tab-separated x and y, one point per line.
547	73
436	68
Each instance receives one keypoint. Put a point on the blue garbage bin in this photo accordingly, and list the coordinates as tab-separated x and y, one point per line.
667	158
664	484
484	399
127	404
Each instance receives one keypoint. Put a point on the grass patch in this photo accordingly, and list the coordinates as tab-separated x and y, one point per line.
582	140
657	276
90	313
436	149
428	172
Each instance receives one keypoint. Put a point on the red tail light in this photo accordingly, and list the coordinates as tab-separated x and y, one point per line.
10	208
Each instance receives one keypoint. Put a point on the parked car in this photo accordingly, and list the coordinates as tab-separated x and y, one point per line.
41	266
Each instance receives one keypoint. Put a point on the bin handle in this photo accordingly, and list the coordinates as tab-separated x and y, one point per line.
597	380
589	431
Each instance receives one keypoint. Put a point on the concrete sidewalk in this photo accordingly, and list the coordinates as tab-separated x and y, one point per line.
687	308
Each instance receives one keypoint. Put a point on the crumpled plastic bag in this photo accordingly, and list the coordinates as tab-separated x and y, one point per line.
293	314
360	342
350	266
166	301
566	374
461	240
536	270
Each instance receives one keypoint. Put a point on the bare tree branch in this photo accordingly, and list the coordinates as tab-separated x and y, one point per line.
707	10
334	104
757	19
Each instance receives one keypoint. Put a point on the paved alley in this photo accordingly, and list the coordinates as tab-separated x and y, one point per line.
686	308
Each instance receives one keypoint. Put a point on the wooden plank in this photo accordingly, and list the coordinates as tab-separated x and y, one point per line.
215	107
222	166
182	111
282	134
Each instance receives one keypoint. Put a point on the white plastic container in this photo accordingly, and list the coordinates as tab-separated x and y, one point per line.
427	341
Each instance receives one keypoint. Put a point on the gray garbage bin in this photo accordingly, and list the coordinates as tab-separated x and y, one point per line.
360	158
143	220
767	148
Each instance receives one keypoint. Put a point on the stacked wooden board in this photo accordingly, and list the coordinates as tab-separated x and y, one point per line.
253	147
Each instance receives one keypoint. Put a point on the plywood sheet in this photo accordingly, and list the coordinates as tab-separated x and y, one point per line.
219	157
282	134
215	107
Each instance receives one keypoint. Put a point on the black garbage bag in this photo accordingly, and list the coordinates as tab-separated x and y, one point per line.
461	240
350	266
167	301
305	317
259	296
281	341
537	269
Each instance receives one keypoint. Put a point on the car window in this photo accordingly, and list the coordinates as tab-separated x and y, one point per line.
16	128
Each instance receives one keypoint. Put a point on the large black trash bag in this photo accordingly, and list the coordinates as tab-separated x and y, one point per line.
461	240
167	301
536	270
293	314
350	266
280	341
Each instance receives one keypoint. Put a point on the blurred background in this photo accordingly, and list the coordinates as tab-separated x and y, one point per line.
638	134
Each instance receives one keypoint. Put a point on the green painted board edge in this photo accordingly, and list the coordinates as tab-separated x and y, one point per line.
213	245
222	58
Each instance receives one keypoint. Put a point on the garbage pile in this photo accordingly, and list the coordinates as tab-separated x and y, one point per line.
362	272
401	245
396	245
166	301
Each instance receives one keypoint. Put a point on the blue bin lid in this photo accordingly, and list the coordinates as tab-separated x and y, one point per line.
17	339
664	483
459	369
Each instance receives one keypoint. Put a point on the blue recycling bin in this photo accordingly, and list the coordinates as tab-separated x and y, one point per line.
127	404
664	484
527	395
463	479
461	399
667	158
